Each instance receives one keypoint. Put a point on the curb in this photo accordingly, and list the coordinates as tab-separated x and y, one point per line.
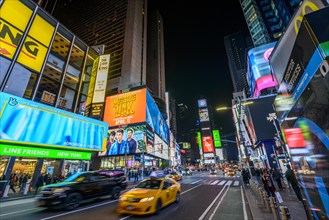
250	209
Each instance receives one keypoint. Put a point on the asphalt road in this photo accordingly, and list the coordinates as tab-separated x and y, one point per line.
203	197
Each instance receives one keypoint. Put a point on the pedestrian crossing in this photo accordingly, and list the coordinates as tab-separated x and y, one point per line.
213	182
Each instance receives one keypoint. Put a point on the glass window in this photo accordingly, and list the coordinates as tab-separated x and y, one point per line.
21	82
47	91
3	165
66	100
4	67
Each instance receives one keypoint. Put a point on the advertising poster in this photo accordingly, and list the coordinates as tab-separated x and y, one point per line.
150	140
202	103
155	119
27	122
259	72
216	136
207	144
203	114
126	108
161	149
128	140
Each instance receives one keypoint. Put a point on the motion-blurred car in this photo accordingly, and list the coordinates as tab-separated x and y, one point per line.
186	172
149	196
175	175
213	171
231	172
80	186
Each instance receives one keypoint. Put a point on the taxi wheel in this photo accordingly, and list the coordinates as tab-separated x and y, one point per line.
72	201
158	207
177	197
116	192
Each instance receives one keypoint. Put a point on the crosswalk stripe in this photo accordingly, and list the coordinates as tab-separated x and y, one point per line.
215	182
222	182
229	183
195	182
236	183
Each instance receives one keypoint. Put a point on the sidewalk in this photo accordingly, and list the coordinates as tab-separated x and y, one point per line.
259	211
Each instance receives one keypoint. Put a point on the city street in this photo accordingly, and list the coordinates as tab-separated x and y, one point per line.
203	197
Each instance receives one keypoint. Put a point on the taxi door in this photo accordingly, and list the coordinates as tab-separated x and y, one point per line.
166	193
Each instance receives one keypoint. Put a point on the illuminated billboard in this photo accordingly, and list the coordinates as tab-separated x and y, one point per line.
216	136
27	122
202	103
203	114
198	139
125	108
135	107
128	140
155	119
14	17
207	144
259	72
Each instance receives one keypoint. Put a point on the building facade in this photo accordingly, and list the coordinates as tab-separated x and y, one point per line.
266	19
236	46
45	76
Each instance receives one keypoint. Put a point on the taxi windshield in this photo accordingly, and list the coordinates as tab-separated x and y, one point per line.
149	184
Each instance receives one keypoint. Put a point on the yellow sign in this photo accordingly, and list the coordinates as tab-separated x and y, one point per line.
14	17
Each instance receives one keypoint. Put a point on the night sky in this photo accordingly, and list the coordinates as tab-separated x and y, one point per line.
195	56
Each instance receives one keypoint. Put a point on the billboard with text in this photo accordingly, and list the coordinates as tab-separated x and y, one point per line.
207	144
27	122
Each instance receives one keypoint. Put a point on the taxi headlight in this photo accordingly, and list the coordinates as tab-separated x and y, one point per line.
122	198
147	199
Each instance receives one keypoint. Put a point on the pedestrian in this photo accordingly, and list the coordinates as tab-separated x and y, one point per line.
258	174
277	177
135	175
268	184
40	182
291	177
12	181
245	176
24	181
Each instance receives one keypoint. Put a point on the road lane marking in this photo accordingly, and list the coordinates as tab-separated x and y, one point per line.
190	189
11	213
229	183
215	182
196	182
216	208
236	183
16	202
125	217
244	206
213	202
78	210
222	183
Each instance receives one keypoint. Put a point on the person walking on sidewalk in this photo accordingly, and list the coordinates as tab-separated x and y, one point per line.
268	184
291	177
12	181
277	177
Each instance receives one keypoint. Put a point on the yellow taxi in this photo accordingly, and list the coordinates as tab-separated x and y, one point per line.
231	172
149	196
177	176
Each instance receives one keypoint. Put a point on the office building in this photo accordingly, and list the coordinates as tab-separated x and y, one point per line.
132	34
266	19
236	46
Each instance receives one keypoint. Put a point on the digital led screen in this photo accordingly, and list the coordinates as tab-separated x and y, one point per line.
125	108
202	103
203	114
216	136
128	140
258	67
207	144
155	119
24	121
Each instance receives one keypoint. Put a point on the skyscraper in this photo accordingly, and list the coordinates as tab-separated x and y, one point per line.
267	19
132	38
236	46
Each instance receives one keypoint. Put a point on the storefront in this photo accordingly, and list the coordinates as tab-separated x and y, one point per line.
37	138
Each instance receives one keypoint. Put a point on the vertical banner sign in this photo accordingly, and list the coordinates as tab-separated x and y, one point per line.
199	139
216	136
97	87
